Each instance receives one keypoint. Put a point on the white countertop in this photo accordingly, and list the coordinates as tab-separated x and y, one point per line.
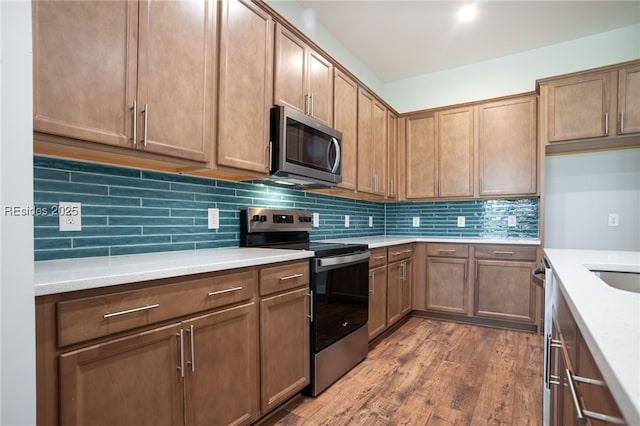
385	241
58	276
608	318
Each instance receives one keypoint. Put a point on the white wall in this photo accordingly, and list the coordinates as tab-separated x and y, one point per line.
580	192
17	322
512	74
293	12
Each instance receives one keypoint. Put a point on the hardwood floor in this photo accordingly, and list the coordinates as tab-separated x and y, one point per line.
431	372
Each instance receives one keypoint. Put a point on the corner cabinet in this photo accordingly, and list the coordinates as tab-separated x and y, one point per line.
593	109
507	147
372	144
139	75
303	77
440	153
245	86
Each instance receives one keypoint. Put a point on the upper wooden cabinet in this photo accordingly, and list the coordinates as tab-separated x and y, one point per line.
303	77
245	86
594	109
372	144
629	100
392	155
507	147
130	74
345	119
440	154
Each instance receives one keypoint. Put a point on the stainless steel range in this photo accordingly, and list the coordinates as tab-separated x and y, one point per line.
339	289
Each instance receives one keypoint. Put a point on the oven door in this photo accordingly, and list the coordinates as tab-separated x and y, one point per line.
340	293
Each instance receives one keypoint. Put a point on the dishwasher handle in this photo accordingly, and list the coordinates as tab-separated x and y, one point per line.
536	279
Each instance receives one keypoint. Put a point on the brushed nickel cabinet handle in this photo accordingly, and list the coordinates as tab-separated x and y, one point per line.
373	284
622	121
290	277
146	120
606	124
181	366
574	396
193	349
378	257
446	251
130	311
227	290
310	306
503	253
134	135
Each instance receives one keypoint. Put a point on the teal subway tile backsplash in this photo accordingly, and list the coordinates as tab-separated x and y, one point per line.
126	211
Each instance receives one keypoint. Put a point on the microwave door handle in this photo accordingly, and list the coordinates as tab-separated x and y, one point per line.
334	142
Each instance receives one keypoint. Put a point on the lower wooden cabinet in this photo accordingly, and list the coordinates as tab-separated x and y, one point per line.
377	322
399	280
447	278
198	350
284	337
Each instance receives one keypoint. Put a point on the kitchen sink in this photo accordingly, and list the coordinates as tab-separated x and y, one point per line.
628	281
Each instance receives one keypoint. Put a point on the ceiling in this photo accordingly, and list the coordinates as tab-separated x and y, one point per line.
397	39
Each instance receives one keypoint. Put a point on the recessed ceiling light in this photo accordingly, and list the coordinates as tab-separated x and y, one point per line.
467	13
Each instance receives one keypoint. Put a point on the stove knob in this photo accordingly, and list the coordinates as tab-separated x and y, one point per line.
255	218
263	218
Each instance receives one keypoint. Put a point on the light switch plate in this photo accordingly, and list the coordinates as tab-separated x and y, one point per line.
346	221
69	216
213	218
461	221
416	222
316	219
613	220
370	221
511	221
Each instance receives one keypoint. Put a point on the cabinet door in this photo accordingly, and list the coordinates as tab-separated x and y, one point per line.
176	75
447	288
85	67
290	70
578	107
421	143
346	121
406	291
455	152
365	142
504	290
221	363
629	100
394	292
392	155
129	381
507	147
245	86
320	72
377	322
284	342
379	122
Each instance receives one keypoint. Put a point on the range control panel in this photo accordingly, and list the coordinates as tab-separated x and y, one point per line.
273	220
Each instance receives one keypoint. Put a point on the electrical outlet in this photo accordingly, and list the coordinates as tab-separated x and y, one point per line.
370	221
461	221
69	216
346	221
316	219
511	221
213	218
614	219
416	222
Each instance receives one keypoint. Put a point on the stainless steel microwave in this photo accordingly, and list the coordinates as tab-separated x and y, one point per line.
304	151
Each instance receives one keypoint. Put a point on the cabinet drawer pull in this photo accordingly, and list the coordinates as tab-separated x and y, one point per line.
503	253
582	413
130	311
227	290
589	381
290	277
446	251
378	257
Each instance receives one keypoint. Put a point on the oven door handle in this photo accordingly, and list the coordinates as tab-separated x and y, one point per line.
327	263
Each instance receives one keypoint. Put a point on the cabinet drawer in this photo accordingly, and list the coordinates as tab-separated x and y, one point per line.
448	250
490	251
92	317
378	257
400	252
284	277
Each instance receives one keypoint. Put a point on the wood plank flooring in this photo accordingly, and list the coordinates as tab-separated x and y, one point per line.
431	372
